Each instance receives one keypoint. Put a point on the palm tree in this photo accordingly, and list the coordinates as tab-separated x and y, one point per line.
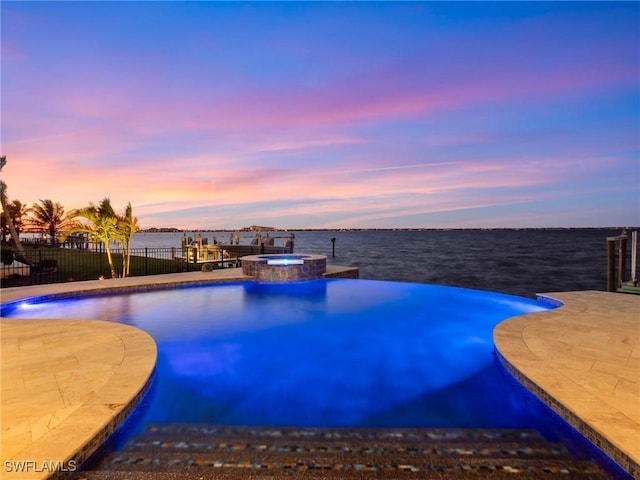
103	226
127	226
17	212
50	217
4	199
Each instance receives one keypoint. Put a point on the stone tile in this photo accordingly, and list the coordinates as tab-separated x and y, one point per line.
584	359
46	406
16	436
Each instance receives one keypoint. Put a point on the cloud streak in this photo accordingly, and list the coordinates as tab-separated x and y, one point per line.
413	115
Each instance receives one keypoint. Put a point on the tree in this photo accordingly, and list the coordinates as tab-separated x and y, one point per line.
18	213
4	199
49	217
127	226
103	226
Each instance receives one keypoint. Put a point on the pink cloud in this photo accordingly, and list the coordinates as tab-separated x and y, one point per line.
388	91
219	135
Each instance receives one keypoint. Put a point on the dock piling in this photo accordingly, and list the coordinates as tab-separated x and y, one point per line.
611	264
634	257
622	258
618	281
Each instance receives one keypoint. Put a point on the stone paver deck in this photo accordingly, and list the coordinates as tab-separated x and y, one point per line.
66	386
73	379
583	360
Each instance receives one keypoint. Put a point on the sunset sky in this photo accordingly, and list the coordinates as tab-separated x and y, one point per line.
326	115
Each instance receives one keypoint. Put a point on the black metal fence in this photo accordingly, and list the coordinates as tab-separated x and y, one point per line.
45	263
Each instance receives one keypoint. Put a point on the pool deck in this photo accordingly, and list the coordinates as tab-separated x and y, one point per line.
65	385
583	360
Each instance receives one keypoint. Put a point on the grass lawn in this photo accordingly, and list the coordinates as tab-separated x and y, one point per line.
52	264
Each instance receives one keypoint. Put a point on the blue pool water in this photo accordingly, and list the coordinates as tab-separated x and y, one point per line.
334	352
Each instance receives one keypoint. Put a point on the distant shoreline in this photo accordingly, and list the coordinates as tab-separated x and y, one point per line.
425	229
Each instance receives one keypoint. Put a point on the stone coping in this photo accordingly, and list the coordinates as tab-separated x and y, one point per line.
149	282
66	385
583	360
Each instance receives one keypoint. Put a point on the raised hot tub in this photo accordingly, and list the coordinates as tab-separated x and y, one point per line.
284	267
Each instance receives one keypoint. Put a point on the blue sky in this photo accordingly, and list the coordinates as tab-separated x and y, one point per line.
327	115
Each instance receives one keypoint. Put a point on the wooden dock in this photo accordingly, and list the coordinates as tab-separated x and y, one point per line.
629	288
200	251
617	279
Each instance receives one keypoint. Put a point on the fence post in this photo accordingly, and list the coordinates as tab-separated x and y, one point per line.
146	260
40	265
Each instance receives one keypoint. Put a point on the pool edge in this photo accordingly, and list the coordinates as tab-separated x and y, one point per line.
546	352
53	427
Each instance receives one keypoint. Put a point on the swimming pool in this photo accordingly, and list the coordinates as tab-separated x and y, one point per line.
337	352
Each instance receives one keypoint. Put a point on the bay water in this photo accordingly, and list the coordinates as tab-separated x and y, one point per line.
516	261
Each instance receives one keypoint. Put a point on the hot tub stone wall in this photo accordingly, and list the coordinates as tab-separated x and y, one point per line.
314	267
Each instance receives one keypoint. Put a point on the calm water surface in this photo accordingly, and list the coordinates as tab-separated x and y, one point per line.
520	262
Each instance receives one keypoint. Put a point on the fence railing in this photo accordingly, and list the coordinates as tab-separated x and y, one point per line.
44	263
